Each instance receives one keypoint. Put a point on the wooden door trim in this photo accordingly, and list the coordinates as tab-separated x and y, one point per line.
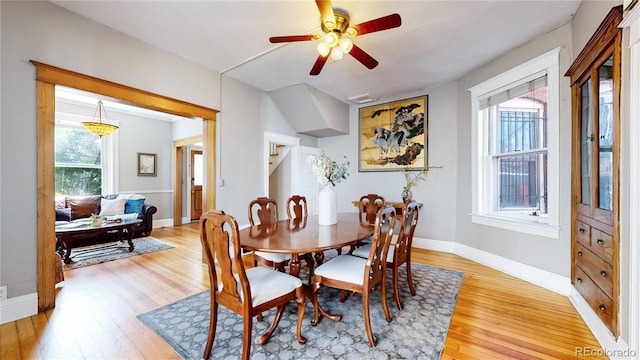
47	77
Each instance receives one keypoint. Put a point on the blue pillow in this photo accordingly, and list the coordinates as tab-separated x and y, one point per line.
63	214
133	206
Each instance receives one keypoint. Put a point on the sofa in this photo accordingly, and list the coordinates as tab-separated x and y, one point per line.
71	208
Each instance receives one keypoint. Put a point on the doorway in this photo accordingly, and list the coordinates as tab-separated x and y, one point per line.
196	184
47	77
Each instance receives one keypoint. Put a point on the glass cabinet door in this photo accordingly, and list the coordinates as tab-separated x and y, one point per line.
605	135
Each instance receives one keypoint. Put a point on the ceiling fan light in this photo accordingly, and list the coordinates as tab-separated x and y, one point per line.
346	45
331	39
336	54
330	25
351	32
323	49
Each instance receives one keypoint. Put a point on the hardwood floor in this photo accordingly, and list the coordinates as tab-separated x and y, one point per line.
497	316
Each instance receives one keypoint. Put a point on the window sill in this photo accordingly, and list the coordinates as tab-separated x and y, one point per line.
531	227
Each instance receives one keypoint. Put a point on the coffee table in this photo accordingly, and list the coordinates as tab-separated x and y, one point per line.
66	232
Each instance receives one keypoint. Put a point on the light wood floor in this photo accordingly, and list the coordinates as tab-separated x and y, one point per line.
497	316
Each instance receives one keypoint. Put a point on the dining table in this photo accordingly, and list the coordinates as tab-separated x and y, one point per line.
304	235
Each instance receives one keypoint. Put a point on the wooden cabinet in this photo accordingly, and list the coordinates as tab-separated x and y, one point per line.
595	90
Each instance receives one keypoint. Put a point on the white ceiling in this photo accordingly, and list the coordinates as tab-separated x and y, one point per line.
438	41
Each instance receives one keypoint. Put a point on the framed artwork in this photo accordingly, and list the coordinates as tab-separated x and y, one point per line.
393	136
147	164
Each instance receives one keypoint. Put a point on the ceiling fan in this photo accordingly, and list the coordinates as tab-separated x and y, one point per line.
336	39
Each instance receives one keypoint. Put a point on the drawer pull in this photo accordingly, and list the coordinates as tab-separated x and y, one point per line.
581	231
579	280
579	253
600	241
603	273
602	308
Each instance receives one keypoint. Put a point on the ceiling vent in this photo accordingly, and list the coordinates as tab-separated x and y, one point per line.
361	99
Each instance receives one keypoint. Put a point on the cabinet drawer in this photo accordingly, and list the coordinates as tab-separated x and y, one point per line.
598	300
602	244
583	233
599	271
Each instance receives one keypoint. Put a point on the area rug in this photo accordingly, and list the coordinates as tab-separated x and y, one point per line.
417	332
96	254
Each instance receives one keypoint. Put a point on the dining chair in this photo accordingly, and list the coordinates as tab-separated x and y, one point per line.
297	207
297	213
369	206
399	249
359	275
265	211
247	292
367	210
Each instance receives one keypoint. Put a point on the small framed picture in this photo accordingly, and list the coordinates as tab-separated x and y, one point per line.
147	164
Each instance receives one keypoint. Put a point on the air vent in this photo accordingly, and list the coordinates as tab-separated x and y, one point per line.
361	99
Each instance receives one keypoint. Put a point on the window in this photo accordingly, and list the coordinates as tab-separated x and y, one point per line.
78	161
82	161
515	148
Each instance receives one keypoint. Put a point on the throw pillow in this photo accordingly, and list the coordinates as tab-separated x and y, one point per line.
63	214
133	206
83	206
112	207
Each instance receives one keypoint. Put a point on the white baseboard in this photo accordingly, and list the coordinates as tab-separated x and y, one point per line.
18	307
550	281
158	223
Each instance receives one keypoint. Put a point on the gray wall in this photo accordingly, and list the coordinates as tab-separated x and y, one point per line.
548	254
437	192
44	32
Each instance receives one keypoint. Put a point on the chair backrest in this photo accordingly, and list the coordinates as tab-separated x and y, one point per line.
266	211
405	237
369	206
220	240
382	234
297	207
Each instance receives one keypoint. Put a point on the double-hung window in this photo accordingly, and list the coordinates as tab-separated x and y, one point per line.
82	161
515	148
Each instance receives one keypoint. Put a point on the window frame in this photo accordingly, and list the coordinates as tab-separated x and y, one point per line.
484	184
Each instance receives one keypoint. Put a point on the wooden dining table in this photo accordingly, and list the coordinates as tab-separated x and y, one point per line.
304	235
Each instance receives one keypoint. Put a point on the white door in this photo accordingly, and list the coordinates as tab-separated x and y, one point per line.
305	182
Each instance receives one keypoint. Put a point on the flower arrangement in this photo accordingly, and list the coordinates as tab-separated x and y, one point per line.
413	177
329	172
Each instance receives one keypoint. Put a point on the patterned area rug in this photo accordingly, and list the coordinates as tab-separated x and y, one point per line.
96	254
417	332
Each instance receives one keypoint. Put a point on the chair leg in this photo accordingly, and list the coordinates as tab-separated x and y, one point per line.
410	278
264	338
367	318
246	341
213	320
394	281
301	306
385	307
316	308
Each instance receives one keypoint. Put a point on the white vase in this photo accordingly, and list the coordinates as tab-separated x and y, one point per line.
327	206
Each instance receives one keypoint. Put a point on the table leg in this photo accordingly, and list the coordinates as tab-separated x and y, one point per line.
294	265
66	242
130	236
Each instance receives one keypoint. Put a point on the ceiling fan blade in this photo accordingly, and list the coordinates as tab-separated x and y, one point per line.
379	24
317	67
326	10
280	39
363	57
